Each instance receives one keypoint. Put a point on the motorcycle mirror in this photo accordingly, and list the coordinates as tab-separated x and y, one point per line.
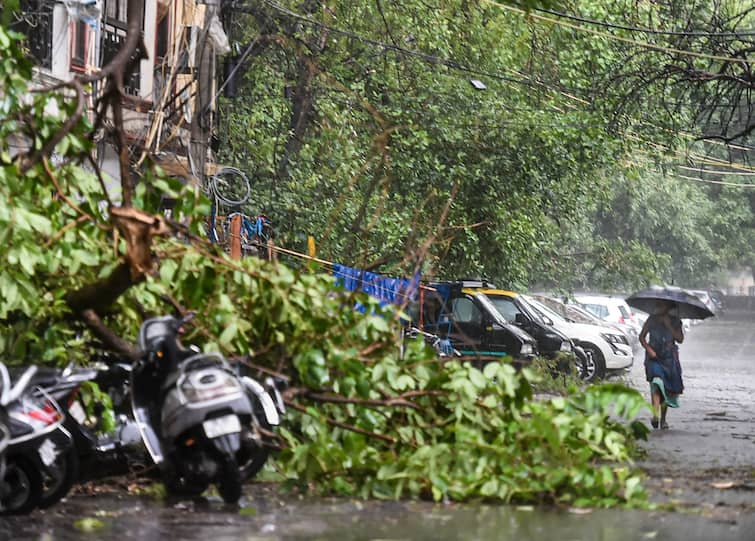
5	382
21	385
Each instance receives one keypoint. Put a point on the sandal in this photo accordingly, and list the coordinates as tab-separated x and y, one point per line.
664	425
654	421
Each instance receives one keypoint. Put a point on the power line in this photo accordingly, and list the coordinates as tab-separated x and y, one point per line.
720	182
715	171
433	59
644	44
653	31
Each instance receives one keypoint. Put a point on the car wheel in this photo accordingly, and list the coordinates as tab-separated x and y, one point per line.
595	366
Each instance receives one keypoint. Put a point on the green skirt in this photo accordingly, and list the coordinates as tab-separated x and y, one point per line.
668	399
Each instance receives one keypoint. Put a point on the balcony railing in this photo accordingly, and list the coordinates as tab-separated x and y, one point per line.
34	20
113	37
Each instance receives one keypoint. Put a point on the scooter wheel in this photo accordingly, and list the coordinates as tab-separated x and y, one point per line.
178	488
60	477
229	484
23	485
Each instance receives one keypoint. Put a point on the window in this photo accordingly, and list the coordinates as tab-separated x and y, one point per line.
506	307
597	309
116	9
79	44
465	311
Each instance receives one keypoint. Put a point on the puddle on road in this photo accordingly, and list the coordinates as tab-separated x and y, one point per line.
132	518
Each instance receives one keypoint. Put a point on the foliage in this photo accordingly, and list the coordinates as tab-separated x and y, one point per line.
470	433
371	115
363	114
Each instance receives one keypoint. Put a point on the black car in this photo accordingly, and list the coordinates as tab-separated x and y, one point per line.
460	312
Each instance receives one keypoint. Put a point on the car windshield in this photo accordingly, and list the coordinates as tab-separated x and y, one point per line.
582	316
492	308
543	310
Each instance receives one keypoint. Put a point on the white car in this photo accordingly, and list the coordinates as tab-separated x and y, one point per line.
614	310
608	349
705	297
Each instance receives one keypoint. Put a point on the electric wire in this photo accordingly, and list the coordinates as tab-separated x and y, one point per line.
653	31
643	44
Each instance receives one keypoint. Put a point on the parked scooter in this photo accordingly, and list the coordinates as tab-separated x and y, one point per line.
196	415
40	449
96	454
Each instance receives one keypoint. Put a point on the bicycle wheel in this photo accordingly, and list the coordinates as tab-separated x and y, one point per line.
231	187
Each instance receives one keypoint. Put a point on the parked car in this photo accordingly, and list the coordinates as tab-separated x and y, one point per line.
511	308
608	349
463	314
705	297
717	296
614	310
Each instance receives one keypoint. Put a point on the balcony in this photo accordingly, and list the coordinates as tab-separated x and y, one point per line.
113	37
35	21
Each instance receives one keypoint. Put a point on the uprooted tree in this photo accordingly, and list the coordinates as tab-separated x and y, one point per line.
82	271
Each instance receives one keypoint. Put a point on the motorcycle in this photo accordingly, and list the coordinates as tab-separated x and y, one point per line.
40	463
200	421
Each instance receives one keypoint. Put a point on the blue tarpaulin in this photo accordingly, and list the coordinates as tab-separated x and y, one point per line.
385	288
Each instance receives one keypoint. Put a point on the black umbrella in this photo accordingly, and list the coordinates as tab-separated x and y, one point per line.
687	305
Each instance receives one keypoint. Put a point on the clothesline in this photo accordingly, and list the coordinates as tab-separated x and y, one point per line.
318	260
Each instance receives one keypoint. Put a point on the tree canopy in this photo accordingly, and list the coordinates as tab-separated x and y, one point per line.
539	126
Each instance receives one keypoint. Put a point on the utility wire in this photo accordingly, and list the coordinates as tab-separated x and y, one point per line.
720	182
607	35
715	171
653	31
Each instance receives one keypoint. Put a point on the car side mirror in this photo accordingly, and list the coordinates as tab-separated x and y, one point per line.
519	319
548	321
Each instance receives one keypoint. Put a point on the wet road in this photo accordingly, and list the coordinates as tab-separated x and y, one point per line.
715	425
706	461
712	435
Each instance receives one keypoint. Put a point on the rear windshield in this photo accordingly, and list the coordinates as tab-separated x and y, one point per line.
598	309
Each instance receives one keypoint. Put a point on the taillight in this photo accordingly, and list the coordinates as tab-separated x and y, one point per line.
621	320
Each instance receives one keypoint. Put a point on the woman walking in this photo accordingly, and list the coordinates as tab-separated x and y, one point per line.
659	337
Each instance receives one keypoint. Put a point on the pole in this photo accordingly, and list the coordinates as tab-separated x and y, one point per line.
201	124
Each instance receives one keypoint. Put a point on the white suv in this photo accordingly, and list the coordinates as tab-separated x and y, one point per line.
614	310
608	349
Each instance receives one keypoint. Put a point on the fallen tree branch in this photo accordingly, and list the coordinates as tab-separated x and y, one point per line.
398	401
346	426
108	337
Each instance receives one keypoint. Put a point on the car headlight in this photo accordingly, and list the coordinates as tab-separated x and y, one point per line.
615	338
565	346
526	349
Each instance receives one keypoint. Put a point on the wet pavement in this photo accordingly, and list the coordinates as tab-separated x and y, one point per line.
711	440
704	466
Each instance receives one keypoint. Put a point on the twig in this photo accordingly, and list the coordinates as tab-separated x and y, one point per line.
62	195
63	230
346	426
68	125
398	401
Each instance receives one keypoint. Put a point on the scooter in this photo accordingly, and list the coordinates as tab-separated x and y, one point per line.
195	414
40	449
96	455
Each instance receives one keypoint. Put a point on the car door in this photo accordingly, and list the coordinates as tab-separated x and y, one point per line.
466	325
